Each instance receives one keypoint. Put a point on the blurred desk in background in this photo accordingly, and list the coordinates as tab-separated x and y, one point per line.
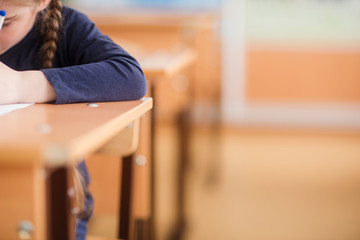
180	55
168	31
167	74
171	90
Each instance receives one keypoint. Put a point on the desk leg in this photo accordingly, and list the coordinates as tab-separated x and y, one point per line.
183	162
183	126
152	166
125	198
60	226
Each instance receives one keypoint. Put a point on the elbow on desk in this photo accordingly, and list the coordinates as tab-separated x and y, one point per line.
140	88
131	82
140	85
136	86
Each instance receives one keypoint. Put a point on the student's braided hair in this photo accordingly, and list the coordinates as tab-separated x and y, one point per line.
50	26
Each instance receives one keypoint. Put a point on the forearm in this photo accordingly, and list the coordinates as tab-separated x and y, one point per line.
33	86
95	82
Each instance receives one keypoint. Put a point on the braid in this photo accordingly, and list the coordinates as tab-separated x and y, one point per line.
51	23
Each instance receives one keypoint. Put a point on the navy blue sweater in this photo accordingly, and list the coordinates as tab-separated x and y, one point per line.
88	66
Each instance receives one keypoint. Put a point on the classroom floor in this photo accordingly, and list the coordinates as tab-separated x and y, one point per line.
259	184
263	184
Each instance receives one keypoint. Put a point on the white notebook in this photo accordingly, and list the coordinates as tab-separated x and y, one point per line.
6	108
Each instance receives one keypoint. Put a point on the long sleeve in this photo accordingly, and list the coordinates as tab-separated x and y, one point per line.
90	67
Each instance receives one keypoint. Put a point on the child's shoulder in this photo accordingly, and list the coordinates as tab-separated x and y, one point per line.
71	15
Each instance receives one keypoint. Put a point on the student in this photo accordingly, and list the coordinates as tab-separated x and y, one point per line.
51	53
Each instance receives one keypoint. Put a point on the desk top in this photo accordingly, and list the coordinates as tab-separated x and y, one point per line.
164	63
159	63
59	134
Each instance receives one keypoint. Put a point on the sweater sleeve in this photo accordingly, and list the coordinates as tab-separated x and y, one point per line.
93	68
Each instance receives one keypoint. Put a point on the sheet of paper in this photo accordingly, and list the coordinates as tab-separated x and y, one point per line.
6	108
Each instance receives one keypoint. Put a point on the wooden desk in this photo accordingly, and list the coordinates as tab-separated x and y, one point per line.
167	73
161	69
164	63
37	144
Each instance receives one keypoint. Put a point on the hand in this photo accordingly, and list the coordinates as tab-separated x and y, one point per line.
24	86
9	84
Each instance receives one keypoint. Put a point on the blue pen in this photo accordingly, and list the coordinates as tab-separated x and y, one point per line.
2	17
